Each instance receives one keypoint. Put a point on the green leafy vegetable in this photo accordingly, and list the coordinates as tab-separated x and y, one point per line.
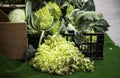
85	22
48	11
69	9
58	56
30	52
86	5
31	28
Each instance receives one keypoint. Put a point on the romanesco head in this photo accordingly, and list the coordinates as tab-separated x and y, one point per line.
43	18
54	10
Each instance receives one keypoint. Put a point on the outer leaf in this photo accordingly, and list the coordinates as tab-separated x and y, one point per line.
28	8
30	52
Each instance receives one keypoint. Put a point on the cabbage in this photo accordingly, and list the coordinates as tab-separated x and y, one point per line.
17	15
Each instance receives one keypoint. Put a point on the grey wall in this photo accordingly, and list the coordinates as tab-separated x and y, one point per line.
111	11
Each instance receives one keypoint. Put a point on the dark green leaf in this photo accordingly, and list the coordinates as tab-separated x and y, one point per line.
63	27
79	38
28	8
30	52
89	6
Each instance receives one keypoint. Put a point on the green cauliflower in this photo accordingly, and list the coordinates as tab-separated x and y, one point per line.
55	29
54	10
43	18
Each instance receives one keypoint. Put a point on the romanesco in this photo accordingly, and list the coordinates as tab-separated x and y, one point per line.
43	18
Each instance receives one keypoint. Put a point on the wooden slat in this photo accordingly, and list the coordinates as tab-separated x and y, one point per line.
12	5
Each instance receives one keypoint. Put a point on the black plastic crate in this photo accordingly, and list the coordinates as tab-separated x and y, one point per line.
92	49
33	39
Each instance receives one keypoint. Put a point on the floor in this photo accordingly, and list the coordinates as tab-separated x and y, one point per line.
111	11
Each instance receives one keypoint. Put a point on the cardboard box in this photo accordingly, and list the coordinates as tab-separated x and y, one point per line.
13	40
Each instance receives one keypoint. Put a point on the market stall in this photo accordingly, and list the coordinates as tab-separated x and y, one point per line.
55	39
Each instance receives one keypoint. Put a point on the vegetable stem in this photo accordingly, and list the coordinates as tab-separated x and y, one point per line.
41	37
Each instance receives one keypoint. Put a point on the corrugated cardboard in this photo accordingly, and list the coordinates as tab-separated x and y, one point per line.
13	40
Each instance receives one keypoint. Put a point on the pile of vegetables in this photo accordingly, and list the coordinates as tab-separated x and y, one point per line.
58	56
51	19
53	11
65	16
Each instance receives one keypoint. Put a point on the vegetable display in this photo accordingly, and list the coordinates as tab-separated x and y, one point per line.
70	17
58	56
51	19
55	10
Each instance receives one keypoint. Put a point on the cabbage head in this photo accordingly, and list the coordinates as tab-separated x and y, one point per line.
17	15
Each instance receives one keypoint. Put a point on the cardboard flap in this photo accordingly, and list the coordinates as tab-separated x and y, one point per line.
3	16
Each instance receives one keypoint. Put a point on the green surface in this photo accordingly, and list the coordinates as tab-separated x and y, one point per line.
109	67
